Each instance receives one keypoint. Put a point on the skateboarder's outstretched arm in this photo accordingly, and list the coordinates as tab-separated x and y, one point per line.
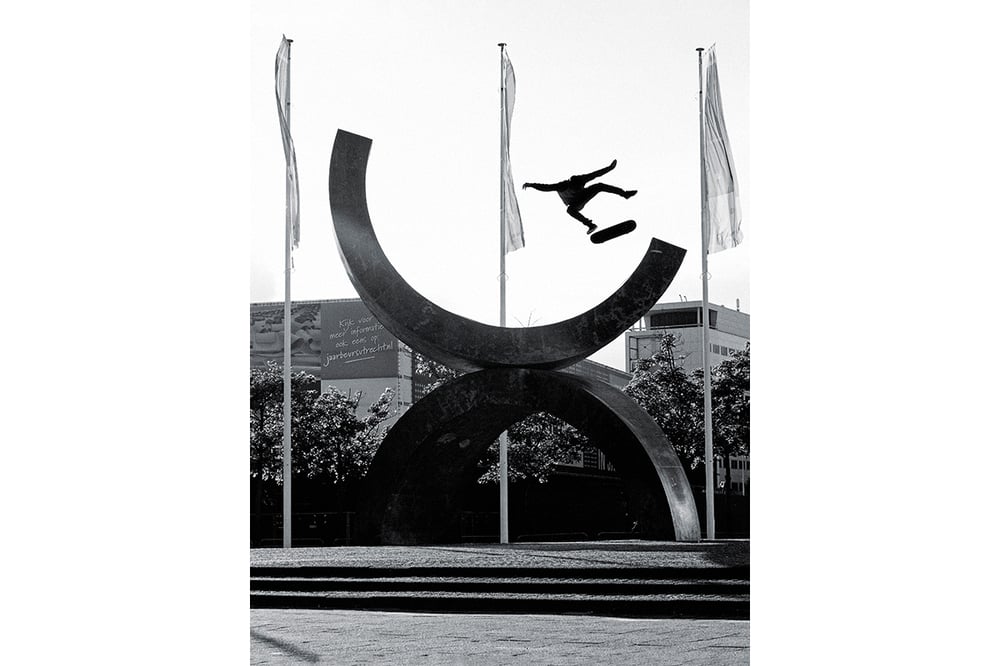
544	187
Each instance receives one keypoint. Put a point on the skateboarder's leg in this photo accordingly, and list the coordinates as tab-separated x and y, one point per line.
604	187
575	212
597	174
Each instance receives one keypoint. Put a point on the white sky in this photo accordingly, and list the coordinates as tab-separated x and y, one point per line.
603	81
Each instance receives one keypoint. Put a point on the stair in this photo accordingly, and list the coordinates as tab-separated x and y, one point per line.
688	592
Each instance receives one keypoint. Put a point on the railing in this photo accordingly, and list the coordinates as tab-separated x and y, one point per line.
320	528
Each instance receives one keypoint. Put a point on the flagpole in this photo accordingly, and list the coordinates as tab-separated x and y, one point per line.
706	367
504	504
286	503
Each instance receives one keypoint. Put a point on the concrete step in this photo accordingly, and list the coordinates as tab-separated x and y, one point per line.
714	606
574	573
627	580
539	585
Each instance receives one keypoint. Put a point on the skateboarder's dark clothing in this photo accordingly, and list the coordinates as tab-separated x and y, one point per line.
575	194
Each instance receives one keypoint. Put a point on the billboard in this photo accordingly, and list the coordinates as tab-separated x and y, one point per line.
267	335
332	340
354	344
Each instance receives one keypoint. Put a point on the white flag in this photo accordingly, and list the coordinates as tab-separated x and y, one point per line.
282	91
721	208
512	214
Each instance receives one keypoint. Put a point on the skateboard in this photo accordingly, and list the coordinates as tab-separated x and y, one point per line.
613	231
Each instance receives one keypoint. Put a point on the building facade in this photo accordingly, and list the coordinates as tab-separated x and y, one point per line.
728	332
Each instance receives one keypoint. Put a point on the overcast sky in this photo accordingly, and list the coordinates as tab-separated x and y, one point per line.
596	81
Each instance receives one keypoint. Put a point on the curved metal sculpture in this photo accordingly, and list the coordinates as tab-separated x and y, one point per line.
416	478
462	343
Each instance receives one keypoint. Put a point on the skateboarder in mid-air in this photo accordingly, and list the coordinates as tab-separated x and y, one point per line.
575	193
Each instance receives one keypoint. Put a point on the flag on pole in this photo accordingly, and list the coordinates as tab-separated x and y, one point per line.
721	206
512	214
282	92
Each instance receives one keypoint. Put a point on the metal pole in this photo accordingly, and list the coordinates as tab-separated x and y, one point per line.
504	504
286	502
705	362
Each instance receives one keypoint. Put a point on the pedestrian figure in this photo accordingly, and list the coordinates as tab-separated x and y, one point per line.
575	193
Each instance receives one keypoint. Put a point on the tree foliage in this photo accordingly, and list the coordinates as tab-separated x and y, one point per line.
330	440
731	410
340	444
431	372
731	404
673	399
535	445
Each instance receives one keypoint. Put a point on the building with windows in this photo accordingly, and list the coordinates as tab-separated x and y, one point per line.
728	332
739	475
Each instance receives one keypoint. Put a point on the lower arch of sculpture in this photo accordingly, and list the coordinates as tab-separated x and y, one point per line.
414	484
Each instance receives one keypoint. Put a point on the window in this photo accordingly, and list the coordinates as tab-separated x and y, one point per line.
648	346
674	318
725	351
715	349
682	318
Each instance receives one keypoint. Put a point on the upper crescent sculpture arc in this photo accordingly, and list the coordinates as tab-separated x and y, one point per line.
456	341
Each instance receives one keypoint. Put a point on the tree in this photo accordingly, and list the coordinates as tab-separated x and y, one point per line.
431	373
673	399
338	445
329	439
731	408
267	417
535	445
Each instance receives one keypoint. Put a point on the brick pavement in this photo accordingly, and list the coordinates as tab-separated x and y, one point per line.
590	553
296	636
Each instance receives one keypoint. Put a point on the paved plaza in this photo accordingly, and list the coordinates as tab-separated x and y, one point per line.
610	554
296	636
328	636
